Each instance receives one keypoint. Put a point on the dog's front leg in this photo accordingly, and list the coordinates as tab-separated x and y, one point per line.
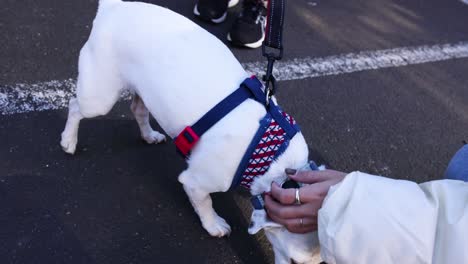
201	202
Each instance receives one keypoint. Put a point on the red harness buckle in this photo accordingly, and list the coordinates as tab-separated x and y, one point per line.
186	140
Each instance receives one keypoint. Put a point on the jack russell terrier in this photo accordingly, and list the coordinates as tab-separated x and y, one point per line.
198	93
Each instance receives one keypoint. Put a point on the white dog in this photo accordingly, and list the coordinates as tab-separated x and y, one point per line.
178	72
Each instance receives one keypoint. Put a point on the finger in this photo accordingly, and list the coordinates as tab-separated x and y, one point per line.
305	229
282	211
298	226
310	176
284	196
277	219
294	225
279	210
314	193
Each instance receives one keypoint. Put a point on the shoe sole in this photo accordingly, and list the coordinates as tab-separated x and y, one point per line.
214	20
253	45
232	3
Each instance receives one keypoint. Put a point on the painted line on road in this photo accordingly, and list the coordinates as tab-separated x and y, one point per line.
367	60
52	95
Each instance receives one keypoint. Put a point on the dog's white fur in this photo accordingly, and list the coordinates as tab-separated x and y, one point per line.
178	71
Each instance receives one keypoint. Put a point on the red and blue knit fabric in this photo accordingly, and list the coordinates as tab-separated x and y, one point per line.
266	151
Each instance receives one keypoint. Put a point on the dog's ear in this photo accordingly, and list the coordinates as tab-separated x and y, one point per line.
260	220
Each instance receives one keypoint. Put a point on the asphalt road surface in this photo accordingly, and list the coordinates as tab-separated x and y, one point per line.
118	200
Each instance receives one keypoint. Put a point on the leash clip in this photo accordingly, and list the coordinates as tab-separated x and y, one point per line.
268	78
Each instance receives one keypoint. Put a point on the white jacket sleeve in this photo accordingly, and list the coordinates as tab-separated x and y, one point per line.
372	219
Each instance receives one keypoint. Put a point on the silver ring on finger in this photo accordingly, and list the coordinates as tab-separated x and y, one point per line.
297	199
301	222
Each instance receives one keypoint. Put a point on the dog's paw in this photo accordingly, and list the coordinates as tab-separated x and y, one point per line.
154	137
217	227
68	144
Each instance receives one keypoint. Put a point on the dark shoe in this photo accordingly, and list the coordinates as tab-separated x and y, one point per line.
249	28
213	10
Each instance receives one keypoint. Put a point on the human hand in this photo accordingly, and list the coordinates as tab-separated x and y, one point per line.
301	218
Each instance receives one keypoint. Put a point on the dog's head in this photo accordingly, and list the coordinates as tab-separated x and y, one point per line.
302	248
259	219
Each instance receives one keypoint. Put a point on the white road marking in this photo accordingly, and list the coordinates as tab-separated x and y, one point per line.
52	95
23	97
367	60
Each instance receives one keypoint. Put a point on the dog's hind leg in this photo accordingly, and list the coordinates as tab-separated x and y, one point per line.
78	109
142	115
70	133
202	203
98	89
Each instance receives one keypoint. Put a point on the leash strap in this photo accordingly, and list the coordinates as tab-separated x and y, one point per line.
272	47
274	26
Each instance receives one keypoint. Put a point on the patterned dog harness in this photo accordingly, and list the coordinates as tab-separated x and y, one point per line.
271	139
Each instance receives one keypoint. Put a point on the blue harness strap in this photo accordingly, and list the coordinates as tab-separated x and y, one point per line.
187	139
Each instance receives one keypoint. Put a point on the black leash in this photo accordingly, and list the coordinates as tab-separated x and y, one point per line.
272	47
